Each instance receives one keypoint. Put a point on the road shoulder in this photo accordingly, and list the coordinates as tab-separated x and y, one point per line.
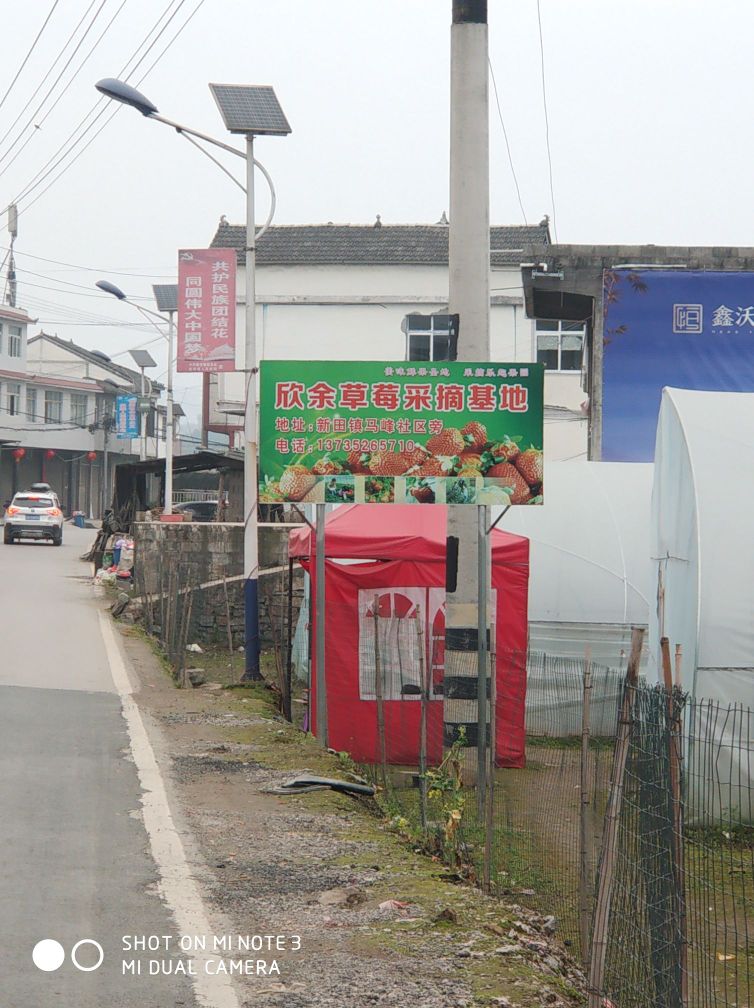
324	868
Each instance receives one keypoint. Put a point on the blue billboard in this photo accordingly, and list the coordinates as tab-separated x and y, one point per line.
682	328
127	416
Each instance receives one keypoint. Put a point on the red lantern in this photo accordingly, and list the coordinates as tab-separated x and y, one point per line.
49	454
18	453
91	456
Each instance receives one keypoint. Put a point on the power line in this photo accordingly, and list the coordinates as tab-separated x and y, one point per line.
72	283
70	143
42	82
507	144
92	269
547	120
36	301
83	63
38	125
117	109
57	290
27	56
70	310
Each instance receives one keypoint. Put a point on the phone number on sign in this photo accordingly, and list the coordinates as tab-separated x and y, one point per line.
366	445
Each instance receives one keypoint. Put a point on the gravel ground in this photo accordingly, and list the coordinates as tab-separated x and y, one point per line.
324	867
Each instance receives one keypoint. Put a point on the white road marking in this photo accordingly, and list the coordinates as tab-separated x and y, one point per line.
177	885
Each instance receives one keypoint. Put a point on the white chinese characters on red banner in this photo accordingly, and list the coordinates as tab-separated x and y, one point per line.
206	310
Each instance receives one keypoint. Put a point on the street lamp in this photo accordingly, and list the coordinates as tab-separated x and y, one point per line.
110	288
143	360
248	111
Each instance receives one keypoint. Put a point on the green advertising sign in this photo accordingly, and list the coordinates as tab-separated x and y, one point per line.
375	432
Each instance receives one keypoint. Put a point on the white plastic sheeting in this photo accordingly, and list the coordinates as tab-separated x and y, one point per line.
589	544
702	538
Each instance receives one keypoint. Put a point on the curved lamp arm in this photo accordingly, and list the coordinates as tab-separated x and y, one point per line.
231	176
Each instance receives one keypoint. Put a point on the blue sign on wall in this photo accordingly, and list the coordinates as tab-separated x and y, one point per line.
692	330
127	416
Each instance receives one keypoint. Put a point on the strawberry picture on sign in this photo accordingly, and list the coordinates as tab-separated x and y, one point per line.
446	432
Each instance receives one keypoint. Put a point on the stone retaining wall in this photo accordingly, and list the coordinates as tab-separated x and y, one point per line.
175	557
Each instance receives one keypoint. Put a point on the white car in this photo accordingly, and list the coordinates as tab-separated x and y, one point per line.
34	515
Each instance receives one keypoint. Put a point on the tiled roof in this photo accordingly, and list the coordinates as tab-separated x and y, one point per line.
367	245
117	369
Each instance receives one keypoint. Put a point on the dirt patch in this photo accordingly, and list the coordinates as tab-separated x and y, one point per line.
377	924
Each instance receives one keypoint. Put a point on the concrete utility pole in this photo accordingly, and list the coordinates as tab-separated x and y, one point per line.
469	272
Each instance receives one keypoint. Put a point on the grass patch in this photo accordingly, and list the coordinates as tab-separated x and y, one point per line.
402	870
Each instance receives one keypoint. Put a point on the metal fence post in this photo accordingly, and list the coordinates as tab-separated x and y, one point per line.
321	681
424	683
482	579
379	692
610	837
489	832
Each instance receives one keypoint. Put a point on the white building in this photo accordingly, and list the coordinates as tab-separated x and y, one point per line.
57	408
353	292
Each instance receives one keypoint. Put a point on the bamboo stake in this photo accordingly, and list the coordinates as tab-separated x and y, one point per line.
610	839
585	833
424	681
674	744
184	638
287	711
167	625
379	692
163	601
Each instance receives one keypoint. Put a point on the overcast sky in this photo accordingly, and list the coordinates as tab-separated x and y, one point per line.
649	107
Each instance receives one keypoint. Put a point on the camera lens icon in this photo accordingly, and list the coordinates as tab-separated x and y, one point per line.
48	955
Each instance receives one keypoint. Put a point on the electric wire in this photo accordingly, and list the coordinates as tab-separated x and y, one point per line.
38	125
547	120
116	110
71	141
71	80
82	129
71	310
71	283
93	269
507	144
29	53
52	67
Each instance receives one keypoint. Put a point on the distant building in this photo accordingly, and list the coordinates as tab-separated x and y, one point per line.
564	287
57	409
354	292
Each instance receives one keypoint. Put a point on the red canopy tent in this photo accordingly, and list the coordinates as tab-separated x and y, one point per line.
397	558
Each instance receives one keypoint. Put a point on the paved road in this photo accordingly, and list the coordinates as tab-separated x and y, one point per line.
75	860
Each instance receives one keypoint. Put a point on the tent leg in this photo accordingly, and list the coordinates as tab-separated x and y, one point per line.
320	632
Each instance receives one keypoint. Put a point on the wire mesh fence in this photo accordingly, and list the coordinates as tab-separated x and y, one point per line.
625	783
186	609
618	808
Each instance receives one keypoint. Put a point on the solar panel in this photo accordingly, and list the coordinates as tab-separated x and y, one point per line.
166	296
142	359
250	109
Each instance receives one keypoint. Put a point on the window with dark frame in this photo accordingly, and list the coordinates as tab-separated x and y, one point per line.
560	345
428	337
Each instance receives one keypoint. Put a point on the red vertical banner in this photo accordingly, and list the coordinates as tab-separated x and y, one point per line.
206	310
